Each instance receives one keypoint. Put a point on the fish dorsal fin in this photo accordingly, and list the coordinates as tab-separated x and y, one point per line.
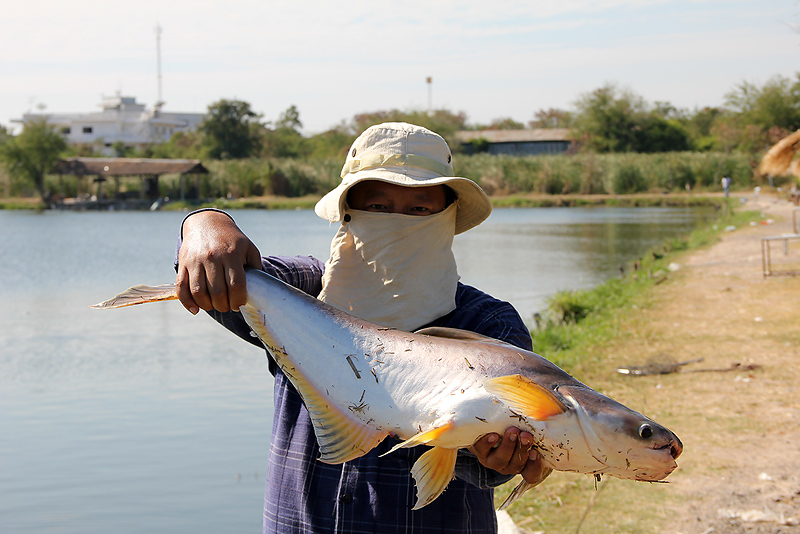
463	335
432	472
525	396
341	436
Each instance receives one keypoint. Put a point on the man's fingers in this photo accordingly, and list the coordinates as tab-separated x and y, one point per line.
237	286
237	282
534	472
253	258
502	455
509	456
184	291
483	446
217	287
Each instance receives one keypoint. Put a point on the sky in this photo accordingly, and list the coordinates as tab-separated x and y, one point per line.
490	59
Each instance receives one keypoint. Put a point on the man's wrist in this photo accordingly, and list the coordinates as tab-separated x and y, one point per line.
207	211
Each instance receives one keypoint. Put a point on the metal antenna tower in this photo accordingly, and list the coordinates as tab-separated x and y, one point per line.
160	102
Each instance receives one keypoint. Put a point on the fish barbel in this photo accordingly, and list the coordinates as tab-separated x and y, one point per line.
441	387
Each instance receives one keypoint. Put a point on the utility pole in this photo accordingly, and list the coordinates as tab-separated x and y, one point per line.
159	102
430	82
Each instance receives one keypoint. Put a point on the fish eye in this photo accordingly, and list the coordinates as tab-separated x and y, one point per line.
645	431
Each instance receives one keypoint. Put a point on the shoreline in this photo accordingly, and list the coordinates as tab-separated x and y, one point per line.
521	200
736	411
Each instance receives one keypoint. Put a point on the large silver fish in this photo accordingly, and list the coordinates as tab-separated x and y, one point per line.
440	387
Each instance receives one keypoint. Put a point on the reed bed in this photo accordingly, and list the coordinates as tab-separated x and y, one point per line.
500	176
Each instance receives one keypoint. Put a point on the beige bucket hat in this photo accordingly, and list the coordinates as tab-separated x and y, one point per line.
407	155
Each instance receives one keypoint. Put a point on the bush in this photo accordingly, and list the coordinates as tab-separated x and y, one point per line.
629	179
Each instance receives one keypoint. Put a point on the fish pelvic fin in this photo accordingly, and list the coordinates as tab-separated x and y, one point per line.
423	438
432	472
521	488
139	295
525	396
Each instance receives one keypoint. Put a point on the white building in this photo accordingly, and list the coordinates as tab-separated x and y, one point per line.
122	120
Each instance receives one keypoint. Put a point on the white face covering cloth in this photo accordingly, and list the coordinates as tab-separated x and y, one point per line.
393	269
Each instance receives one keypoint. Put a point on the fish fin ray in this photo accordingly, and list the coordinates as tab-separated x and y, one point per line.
463	335
341	437
521	488
525	396
140	294
432	472
422	438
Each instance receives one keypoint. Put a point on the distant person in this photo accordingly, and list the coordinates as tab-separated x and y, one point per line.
726	185
399	206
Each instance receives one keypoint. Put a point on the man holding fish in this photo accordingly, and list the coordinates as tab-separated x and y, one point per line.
391	262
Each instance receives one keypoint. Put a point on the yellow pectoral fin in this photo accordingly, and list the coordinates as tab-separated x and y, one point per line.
422	438
432	472
525	396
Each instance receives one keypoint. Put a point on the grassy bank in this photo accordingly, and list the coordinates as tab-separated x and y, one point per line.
22	203
574	333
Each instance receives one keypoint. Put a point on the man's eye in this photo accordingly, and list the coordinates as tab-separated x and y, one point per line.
377	207
420	209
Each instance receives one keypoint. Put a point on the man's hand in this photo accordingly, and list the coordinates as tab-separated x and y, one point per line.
211	262
513	455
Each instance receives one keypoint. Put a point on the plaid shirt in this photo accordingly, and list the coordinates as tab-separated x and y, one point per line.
371	494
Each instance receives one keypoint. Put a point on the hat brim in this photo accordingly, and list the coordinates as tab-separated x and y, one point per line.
474	205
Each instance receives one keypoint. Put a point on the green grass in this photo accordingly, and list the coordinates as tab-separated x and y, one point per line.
21	204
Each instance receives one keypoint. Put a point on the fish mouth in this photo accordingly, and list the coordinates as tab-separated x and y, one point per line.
674	447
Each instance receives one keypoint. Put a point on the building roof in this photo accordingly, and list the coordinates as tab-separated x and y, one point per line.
128	166
515	136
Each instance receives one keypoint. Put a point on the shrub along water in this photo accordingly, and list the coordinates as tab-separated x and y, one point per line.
606	173
581	174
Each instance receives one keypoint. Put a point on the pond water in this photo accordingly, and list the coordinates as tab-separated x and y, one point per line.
148	419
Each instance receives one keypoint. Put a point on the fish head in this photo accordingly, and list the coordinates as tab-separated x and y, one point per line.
622	442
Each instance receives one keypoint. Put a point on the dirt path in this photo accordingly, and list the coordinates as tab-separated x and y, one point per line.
740	472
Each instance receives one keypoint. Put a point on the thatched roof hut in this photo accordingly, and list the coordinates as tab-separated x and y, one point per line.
778	158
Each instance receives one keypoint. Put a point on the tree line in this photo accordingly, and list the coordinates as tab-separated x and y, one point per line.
606	120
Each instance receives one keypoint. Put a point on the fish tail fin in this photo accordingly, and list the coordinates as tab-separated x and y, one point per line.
139	295
521	488
432	472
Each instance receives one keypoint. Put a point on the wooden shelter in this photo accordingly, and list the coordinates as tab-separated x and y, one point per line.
148	170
